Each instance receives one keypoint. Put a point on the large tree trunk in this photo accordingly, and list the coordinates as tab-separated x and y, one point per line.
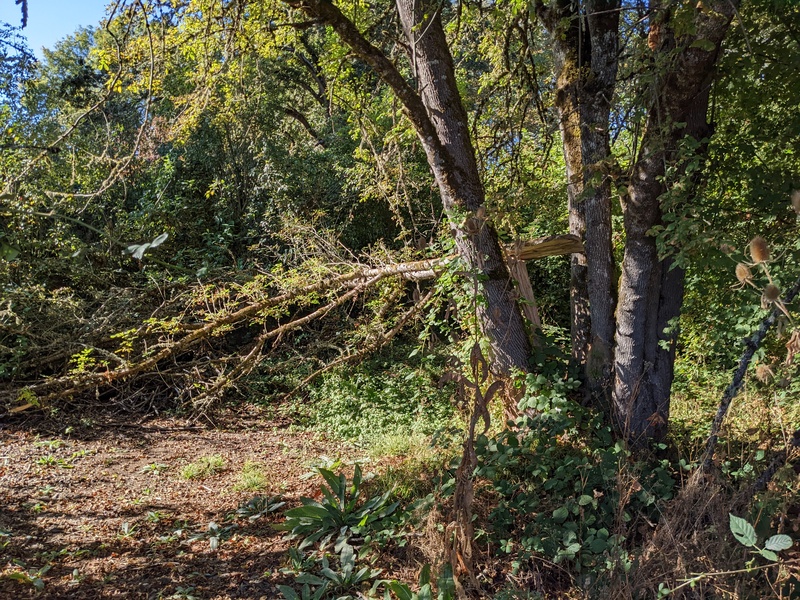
441	123
651	289
585	58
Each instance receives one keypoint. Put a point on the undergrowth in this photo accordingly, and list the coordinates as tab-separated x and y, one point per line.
380	403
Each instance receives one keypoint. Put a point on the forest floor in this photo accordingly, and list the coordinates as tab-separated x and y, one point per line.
110	507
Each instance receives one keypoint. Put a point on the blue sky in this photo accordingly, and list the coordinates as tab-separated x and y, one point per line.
52	20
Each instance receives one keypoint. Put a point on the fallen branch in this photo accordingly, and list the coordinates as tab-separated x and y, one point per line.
358	279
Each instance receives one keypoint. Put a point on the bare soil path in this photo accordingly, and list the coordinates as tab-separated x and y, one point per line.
107	508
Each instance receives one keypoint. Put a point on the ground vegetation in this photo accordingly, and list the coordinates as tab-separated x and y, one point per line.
402	300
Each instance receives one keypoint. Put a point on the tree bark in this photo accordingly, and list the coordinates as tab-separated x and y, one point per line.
569	39
651	288
585	46
439	117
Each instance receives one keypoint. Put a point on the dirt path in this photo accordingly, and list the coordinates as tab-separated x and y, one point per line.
112	514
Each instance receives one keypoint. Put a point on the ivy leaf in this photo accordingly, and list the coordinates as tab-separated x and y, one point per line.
8	252
703	44
742	531
778	543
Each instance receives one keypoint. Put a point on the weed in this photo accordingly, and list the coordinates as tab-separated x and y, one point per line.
47	461
446	586
154	468
338	582
258	507
49	444
31	577
154	516
381	397
203	467
183	593
213	533
338	512
251	478
126	531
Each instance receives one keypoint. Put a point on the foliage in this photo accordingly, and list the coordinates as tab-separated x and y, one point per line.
446	589
383	396
745	534
566	490
203	467
339	513
328	581
251	478
259	506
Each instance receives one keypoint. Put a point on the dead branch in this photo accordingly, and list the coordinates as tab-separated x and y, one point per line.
752	344
355	281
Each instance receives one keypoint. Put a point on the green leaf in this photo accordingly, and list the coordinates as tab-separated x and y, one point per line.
742	531
585	499
401	590
310	511
8	252
309	578
704	44
598	545
779	542
769	555
560	514
288	592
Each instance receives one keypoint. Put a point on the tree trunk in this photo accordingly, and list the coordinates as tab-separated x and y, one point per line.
596	93
651	289
585	56
441	123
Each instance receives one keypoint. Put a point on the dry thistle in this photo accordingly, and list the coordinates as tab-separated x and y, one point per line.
759	250
792	347
743	273
764	374
726	249
796	201
771	293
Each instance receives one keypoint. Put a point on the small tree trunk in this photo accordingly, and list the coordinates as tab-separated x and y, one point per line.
597	90
585	53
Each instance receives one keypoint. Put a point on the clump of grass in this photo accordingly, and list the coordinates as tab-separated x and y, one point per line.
251	478
411	476
203	467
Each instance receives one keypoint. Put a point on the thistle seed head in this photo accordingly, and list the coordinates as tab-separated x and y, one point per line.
771	293
726	249
743	273
759	250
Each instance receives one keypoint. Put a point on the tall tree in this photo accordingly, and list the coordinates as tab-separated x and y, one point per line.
434	107
630	355
685	41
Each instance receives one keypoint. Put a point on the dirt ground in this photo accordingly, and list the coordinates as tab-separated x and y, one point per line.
106	507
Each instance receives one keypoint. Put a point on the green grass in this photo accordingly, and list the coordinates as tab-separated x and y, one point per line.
251	478
203	467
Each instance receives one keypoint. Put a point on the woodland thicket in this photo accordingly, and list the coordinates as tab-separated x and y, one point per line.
576	219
